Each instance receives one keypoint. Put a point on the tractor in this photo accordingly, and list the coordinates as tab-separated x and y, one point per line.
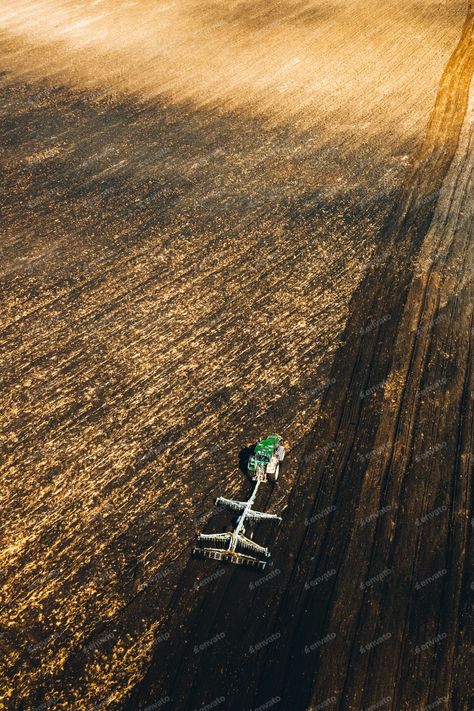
264	464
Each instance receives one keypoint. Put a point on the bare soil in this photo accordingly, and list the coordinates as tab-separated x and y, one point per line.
218	222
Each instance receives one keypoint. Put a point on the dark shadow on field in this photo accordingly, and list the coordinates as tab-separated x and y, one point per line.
244	456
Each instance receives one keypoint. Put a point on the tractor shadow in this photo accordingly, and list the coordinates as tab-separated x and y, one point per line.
244	456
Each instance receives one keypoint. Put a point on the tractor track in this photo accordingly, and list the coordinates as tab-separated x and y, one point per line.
401	440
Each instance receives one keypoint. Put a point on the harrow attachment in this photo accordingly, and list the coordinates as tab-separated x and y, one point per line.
235	546
240	506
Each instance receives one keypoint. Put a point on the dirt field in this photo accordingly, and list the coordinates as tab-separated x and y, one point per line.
220	220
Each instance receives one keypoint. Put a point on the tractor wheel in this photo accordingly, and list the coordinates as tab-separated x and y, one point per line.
274	475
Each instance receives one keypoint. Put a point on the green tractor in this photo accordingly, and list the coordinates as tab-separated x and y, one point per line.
264	464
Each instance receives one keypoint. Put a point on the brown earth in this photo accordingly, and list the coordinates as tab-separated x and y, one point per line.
203	240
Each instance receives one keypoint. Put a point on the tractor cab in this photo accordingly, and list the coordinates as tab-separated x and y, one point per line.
264	464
